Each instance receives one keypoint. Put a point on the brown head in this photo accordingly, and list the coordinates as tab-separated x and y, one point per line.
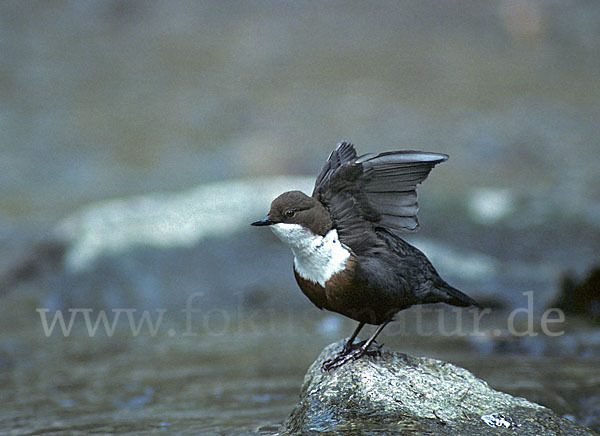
295	207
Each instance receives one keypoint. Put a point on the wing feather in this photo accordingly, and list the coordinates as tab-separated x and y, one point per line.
375	190
344	152
397	174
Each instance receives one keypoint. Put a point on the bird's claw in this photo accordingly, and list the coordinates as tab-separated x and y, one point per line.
340	359
352	352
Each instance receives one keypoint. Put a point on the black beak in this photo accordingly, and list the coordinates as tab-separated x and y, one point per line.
263	222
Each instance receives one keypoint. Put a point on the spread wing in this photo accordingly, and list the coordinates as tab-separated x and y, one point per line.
344	152
375	190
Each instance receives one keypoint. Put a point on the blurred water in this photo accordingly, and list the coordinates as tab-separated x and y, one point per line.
109	99
245	378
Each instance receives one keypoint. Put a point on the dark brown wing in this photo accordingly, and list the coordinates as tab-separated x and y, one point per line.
344	152
376	190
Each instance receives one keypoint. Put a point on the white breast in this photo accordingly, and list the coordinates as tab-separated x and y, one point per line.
316	257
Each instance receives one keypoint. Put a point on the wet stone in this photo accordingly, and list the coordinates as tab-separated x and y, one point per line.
395	393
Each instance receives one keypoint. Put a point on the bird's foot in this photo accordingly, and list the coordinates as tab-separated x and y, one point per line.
351	352
348	347
373	349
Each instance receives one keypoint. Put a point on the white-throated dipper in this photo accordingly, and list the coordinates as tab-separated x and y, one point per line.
348	256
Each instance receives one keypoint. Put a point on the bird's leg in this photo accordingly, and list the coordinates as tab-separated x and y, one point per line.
364	346
347	347
349	342
354	352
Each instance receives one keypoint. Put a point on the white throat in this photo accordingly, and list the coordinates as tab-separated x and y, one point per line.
316	257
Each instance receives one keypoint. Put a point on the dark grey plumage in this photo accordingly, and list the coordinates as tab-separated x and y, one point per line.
382	185
369	200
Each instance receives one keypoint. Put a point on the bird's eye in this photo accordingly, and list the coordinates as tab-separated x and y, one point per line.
290	213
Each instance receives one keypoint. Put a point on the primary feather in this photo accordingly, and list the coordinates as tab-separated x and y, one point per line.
375	189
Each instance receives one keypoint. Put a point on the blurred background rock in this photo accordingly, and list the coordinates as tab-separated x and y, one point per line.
141	115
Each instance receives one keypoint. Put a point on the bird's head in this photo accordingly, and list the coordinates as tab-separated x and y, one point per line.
294	211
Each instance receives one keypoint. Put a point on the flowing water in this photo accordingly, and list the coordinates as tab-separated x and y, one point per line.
245	378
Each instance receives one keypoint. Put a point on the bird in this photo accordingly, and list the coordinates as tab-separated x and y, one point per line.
349	256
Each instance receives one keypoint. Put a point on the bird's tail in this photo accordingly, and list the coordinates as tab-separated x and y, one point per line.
456	297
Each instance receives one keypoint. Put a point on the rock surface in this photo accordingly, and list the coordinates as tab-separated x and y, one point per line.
399	394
